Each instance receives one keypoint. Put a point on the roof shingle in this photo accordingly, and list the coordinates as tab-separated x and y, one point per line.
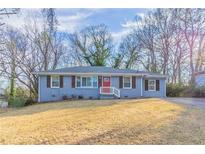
96	69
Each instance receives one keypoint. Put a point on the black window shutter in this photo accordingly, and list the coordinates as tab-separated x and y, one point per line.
73	81
157	85
99	81
61	81
48	81
133	82
146	85
120	82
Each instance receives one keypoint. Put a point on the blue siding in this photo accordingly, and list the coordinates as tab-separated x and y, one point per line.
132	93
200	80
127	93
54	94
160	93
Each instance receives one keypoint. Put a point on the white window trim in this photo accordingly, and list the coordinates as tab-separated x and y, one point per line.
154	85
86	86
130	82
52	82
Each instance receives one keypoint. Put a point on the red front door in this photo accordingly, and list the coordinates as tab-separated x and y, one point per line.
106	83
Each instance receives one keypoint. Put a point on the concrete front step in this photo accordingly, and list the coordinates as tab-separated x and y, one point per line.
107	97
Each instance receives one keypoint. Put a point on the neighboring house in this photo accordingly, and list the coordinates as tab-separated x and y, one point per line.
93	82
200	78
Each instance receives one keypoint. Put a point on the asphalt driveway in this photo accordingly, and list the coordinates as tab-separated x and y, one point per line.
196	102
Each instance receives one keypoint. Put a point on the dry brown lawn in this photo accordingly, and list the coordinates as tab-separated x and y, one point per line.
145	121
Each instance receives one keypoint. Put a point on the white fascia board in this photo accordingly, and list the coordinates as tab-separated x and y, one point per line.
155	76
70	73
109	74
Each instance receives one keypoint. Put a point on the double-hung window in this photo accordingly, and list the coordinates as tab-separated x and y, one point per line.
152	85
86	82
127	82
55	81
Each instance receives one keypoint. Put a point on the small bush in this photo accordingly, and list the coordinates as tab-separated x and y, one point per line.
73	96
65	97
16	101
90	97
30	101
80	97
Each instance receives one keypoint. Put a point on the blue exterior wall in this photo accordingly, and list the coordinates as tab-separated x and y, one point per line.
160	93
54	94
127	93
200	80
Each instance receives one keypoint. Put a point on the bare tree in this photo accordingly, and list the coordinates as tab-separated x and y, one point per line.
5	12
193	29
172	42
10	57
117	59
130	48
93	44
35	50
147	33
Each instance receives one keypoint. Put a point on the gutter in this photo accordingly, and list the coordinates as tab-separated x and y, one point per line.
113	74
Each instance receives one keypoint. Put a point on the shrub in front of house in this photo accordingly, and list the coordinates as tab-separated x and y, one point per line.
80	97
30	101
16	101
73	96
65	97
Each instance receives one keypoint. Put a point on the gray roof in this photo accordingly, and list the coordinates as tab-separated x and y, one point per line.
95	70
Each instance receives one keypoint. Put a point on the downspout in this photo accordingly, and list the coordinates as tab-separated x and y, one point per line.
141	86
165	88
39	89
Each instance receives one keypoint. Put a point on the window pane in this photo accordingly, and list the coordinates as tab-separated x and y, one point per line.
95	81
127	85
55	81
88	82
106	79
151	82
151	85
83	81
127	82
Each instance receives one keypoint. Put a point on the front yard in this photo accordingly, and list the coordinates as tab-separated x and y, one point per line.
145	121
